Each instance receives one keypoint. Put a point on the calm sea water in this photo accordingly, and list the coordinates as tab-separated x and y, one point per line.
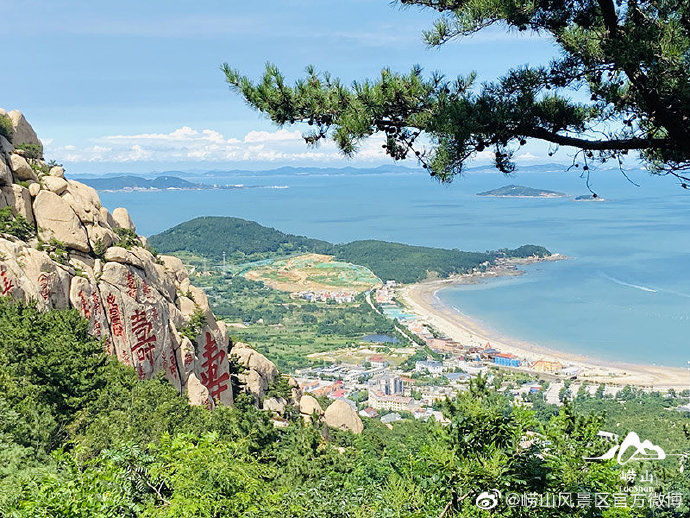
624	295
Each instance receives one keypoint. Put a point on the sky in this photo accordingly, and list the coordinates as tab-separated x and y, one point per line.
134	86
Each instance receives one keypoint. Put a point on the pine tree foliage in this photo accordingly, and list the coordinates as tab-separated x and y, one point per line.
630	58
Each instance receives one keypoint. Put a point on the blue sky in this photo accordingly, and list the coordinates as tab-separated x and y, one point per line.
136	86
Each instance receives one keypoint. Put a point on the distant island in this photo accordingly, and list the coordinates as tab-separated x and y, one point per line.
139	183
520	191
589	197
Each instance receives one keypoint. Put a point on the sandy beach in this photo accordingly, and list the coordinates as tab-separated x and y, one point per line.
422	299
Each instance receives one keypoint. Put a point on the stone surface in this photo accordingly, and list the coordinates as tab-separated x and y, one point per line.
56	219
308	405
21	168
19	199
23	132
57	170
5	173
341	415
122	255
55	184
122	219
137	303
259	372
275	404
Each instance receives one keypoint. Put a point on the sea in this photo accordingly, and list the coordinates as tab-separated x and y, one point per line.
623	294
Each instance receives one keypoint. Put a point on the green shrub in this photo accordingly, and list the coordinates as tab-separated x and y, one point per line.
15	225
6	129
128	238
196	323
33	151
57	250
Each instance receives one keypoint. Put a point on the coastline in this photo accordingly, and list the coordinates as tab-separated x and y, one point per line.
422	299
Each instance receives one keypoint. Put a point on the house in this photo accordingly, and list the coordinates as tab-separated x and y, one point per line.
369	412
391	418
506	360
547	366
432	366
380	401
377	361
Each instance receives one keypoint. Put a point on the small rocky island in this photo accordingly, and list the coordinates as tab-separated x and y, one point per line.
520	191
589	197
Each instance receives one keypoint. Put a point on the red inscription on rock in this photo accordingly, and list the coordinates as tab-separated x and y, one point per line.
209	377
114	313
146	340
7	284
44	282
131	285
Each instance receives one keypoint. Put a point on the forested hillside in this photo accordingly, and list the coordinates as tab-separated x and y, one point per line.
406	263
211	236
244	240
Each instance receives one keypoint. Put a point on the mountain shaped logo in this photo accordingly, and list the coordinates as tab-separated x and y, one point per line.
641	450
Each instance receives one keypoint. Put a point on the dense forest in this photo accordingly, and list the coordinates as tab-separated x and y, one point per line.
407	263
82	437
211	236
244	240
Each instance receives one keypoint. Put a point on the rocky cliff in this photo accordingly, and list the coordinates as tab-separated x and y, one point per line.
60	248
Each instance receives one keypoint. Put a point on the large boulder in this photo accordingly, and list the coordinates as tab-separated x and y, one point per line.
23	132
56	219
21	168
19	199
122	219
308	406
55	184
341	415
259	371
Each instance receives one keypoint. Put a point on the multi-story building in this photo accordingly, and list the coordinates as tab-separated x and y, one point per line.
387	384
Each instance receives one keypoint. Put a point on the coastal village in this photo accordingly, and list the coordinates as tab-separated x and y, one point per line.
385	379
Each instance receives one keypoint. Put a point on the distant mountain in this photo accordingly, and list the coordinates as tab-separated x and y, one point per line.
132	183
520	191
244	241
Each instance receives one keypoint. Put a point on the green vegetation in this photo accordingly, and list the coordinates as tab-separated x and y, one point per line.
31	151
57	250
128	238
6	128
82	437
407	263
15	225
512	191
242	240
285	329
622	65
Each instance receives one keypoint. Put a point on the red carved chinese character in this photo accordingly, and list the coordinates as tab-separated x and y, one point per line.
96	303
114	313
84	304
7	284
44	282
131	285
209	377
146	340
146	289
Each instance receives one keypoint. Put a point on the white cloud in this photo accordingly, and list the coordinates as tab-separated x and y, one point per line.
187	144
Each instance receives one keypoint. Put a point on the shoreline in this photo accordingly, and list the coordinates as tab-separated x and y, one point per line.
422	299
